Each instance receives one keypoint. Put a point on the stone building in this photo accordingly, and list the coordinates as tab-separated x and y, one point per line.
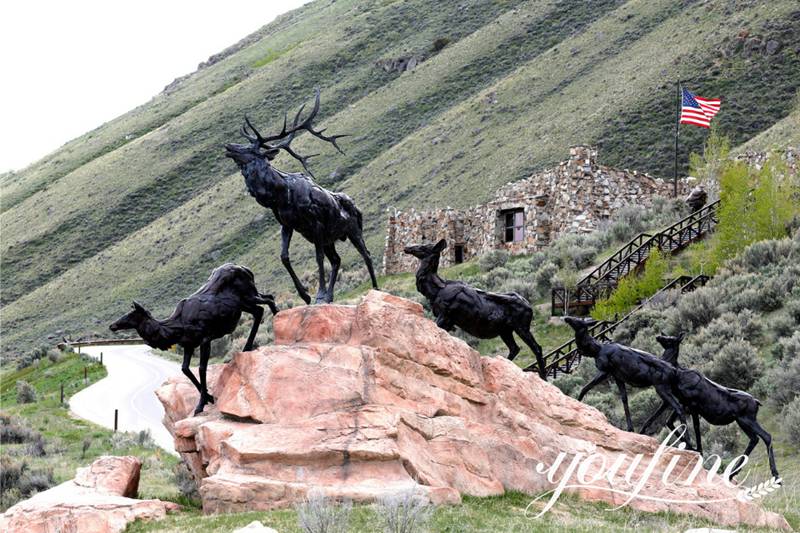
525	216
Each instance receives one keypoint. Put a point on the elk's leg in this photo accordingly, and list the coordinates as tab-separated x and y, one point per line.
258	314
358	242
653	417
623	395
766	437
753	436
666	395
188	351
527	338
286	239
696	423
444	323
205	397
333	257
513	349
321	293
599	378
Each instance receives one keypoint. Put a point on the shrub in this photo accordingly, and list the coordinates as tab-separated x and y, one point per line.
87	443
783	382
791	421
319	514
440	43
543	279
25	392
34	481
36	447
32	357
492	260
525	289
569	384
782	325
724	441
697	308
12	431
185	482
54	355
790	347
495	277
737	365
404	512
761	254
144	439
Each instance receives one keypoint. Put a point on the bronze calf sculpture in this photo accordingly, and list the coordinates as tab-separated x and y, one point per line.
210	313
718	405
483	314
625	366
321	216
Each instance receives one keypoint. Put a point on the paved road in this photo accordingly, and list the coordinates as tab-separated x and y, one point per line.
134	374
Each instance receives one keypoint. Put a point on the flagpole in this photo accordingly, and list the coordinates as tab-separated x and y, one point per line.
677	123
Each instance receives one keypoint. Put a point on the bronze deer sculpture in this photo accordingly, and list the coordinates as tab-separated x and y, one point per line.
210	313
321	216
717	404
485	315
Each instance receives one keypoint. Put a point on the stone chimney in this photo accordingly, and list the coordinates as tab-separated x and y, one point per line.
583	157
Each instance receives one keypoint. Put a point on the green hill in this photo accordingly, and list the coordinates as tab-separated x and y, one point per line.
146	205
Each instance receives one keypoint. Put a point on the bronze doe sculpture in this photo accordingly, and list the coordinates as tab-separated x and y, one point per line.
210	313
321	216
627	367
718	405
483	314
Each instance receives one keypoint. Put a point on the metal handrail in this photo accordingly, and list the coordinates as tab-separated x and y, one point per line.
686	284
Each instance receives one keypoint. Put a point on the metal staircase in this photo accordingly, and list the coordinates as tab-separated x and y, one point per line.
601	281
567	356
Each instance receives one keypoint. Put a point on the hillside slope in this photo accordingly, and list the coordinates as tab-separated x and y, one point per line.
146	205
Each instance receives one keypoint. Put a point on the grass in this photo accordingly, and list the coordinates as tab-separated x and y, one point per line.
65	435
491	514
148	197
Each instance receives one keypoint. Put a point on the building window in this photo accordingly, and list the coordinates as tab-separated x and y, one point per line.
513	225
459	252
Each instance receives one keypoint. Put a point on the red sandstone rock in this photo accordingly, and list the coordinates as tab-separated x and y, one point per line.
96	501
366	400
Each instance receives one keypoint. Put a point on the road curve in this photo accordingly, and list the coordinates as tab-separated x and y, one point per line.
134	374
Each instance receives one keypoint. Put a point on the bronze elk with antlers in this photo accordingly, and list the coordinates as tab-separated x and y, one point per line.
321	216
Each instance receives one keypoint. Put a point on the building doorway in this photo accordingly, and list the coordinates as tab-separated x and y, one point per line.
459	253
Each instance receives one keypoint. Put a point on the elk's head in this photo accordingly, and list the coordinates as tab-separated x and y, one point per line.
423	251
667	341
131	319
267	148
579	324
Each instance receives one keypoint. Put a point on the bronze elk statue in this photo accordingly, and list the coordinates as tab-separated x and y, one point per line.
627	367
485	315
210	313
717	404
321	216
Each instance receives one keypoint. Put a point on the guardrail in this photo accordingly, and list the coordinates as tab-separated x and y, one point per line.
567	356
631	257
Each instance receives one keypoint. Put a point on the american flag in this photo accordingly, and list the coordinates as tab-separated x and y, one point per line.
698	110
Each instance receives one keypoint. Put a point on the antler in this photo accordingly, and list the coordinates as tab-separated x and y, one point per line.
286	136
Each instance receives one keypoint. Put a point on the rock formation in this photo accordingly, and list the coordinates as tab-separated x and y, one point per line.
364	400
99	499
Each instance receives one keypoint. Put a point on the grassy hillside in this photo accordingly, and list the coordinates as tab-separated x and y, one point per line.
146	205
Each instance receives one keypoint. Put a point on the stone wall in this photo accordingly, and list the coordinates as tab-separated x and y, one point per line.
576	196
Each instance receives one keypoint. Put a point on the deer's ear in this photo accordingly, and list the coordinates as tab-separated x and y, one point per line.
681	336
441	245
137	306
